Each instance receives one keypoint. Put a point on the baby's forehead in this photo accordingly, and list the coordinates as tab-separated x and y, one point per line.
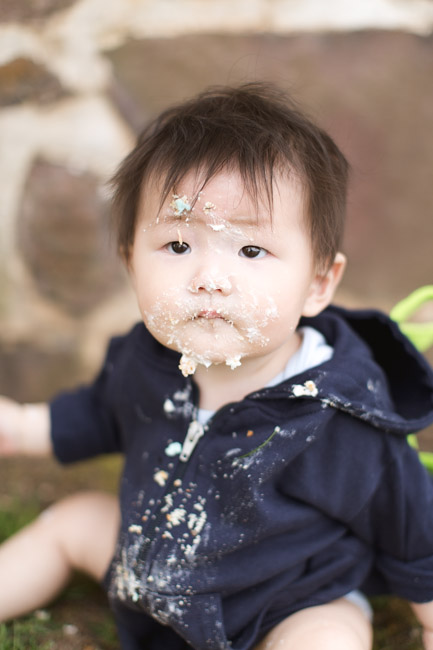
196	212
223	199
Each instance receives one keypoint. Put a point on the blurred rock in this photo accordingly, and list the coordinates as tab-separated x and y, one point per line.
26	10
24	80
32	373
63	234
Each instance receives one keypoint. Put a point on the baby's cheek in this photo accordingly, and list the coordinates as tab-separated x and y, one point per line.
163	325
259	308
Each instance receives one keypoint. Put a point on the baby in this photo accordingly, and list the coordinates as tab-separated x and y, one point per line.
267	483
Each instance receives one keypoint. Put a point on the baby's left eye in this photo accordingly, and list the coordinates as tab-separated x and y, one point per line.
252	252
178	247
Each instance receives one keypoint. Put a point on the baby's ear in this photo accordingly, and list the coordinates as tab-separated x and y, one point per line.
323	287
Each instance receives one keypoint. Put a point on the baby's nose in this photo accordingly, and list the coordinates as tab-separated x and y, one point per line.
211	283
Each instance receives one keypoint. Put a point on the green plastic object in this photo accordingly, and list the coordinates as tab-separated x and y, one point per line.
421	335
426	457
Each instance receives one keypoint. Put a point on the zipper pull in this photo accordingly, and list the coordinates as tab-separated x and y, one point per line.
194	433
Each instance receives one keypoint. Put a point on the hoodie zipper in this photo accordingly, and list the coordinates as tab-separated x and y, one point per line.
193	435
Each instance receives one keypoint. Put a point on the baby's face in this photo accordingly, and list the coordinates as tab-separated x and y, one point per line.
222	282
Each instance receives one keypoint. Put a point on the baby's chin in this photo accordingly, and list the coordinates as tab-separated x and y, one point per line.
206	349
218	353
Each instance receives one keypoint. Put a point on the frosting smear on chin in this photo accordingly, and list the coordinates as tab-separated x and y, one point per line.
188	365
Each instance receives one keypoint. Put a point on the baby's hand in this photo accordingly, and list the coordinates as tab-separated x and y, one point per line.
10	425
24	428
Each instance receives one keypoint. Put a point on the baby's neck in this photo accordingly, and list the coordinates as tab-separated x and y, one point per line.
220	385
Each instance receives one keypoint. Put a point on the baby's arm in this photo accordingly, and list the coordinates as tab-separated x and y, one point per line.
424	613
24	429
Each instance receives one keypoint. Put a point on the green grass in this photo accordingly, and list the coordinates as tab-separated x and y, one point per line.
16	514
83	603
26	634
395	625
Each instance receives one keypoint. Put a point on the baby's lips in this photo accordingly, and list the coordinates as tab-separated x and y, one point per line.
210	314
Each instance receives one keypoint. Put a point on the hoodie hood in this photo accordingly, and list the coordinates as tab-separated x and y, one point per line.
375	374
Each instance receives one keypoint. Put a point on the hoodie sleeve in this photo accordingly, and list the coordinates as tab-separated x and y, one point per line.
83	423
398	521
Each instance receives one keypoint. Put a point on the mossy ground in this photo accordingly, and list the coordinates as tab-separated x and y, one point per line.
80	618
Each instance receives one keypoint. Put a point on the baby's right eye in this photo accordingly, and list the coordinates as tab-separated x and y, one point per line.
178	248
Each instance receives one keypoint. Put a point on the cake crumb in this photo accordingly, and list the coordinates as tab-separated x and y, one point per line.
187	366
161	477
209	207
134	528
235	362
307	389
180	205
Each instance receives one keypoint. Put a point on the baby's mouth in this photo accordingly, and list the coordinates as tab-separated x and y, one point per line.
210	314
213	315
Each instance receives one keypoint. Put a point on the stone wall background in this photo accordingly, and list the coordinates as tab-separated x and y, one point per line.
78	78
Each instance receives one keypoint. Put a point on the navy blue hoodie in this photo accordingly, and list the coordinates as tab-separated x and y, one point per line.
291	498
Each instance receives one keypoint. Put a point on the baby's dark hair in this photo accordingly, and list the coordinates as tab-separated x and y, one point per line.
254	129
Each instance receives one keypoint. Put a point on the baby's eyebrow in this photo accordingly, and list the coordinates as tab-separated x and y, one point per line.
167	221
249	222
175	219
239	221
